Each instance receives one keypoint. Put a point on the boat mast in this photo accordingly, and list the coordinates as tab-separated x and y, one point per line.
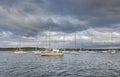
36	45
75	41
112	42
80	44
20	45
64	42
49	39
17	47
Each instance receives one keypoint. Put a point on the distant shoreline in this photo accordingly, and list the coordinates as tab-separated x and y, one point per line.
66	49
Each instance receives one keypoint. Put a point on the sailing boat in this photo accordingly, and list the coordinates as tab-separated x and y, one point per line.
75	51
51	52
36	51
19	50
112	51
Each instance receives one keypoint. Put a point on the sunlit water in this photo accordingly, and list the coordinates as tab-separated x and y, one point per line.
69	65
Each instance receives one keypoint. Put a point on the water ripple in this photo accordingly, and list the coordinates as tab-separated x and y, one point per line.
83	65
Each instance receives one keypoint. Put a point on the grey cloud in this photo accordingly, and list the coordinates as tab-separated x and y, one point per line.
99	13
34	17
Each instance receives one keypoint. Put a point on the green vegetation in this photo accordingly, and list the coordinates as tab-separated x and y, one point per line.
24	49
66	49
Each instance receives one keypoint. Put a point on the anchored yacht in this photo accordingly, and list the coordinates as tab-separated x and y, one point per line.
36	52
75	52
53	52
20	51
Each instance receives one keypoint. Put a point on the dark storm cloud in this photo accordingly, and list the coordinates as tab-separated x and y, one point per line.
98	13
34	17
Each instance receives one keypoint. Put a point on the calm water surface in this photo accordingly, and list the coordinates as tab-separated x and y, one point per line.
69	65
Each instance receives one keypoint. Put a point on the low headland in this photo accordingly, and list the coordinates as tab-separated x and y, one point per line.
66	49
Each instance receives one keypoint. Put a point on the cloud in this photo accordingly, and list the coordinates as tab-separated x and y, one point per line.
33	18
92	13
29	24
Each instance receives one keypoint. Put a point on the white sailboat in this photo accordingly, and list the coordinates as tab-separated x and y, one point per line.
75	51
36	51
104	51
19	50
112	51
51	52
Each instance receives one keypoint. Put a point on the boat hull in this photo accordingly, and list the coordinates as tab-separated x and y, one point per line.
36	52
51	54
20	52
75	52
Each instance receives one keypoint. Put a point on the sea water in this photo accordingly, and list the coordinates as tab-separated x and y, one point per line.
69	65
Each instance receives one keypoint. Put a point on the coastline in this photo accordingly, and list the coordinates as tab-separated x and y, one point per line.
66	49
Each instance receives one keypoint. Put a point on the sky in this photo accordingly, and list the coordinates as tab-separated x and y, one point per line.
27	23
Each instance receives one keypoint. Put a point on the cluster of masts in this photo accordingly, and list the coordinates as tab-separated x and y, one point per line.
49	51
57	52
